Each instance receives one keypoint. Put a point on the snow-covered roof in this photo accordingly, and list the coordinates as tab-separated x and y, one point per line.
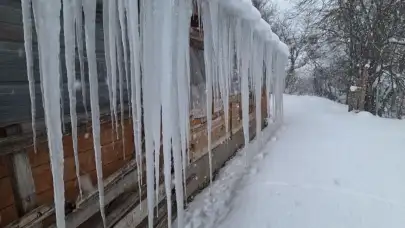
245	10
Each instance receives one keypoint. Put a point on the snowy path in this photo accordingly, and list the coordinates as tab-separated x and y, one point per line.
326	169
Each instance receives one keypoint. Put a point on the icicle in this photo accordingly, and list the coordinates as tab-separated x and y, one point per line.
214	21
224	74
258	74
134	44
27	23
62	100
147	23
41	63
188	139
185	8
168	124
112	23
275	86
160	47
68	31
269	75
47	16
89	7
107	56
121	13
121	86
209	70
181	69
79	40
156	142
246	40
177	159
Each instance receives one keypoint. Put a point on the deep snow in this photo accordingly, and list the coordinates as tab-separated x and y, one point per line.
324	168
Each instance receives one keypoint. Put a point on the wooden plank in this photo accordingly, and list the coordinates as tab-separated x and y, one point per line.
116	185
31	219
6	196
11	15
8	215
137	216
125	205
9	32
42	176
3	167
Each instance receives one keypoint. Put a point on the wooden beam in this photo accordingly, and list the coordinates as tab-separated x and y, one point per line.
122	181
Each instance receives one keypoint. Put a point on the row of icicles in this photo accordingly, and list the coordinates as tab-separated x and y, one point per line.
148	48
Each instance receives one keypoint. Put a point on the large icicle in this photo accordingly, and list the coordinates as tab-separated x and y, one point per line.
246	40
147	22
209	58
181	68
167	126
177	156
224	59
269	75
27	24
78	12
168	123
134	45
257	80
69	35
47	16
39	37
159	48
89	7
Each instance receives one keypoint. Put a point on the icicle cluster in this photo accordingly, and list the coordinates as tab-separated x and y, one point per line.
235	30
165	39
147	52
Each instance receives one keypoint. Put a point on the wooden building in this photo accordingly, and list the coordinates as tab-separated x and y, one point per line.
26	198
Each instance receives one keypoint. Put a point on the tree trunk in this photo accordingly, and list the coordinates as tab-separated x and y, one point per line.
364	80
370	104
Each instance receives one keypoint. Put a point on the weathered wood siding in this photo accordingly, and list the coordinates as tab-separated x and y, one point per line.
8	210
14	93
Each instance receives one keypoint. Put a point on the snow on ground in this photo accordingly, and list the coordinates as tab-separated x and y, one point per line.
325	168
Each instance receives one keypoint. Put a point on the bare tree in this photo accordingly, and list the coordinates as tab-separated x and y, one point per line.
370	36
287	30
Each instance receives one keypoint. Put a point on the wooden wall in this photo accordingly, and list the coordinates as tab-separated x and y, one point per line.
25	175
8	210
39	169
112	159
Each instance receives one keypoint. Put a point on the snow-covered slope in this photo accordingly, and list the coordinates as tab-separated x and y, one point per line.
326	168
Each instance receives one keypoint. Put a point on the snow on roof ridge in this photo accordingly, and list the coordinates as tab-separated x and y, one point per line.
241	8
245	10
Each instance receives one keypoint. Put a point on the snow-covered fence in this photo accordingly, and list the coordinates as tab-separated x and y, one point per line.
149	47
